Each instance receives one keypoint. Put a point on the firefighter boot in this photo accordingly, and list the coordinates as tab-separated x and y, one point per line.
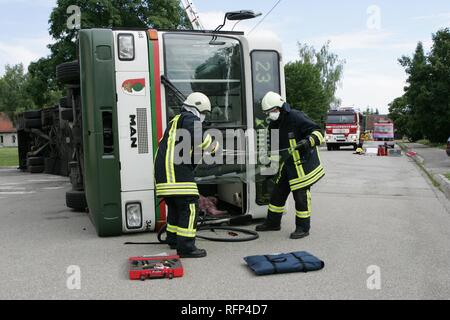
272	223
302	228
186	248
196	253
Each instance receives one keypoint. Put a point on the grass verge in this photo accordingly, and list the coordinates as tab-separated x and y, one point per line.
9	157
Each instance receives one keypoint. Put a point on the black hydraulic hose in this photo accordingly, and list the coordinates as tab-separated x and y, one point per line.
253	235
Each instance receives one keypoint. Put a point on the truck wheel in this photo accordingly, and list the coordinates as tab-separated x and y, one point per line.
76	200
68	73
33	114
33	123
35	161
36	169
329	148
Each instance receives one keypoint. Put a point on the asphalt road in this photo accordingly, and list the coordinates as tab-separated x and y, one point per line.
368	211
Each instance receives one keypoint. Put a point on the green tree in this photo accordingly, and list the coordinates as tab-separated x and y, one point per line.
399	114
425	110
311	81
159	14
437	116
14	96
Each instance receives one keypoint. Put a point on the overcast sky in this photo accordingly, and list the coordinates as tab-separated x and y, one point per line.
369	35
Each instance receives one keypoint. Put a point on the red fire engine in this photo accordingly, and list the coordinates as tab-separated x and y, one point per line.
344	127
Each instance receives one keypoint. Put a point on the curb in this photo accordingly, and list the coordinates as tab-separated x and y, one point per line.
445	184
438	180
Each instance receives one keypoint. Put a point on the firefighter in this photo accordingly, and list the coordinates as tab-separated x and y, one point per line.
299	170
175	182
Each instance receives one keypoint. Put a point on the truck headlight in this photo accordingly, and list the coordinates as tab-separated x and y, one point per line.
134	215
126	46
354	137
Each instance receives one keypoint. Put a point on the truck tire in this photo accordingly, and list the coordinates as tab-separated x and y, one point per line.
329	148
36	169
33	123
68	73
32	114
76	200
67	114
35	161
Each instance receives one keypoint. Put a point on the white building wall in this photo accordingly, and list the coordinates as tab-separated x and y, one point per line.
8	139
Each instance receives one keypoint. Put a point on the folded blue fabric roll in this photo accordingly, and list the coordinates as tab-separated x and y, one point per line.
284	263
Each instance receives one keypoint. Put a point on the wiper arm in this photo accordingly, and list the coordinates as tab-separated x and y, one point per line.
176	92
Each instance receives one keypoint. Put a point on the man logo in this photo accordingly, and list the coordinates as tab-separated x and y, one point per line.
133	131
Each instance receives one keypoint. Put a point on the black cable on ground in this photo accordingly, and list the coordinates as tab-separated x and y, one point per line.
253	235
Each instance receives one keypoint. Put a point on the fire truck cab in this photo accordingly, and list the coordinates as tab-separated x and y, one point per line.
344	127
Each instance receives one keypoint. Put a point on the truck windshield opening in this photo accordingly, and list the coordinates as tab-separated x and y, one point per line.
192	64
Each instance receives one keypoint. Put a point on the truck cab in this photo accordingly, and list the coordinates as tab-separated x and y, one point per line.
344	127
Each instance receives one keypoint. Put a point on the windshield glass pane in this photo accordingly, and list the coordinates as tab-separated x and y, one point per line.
199	63
341	119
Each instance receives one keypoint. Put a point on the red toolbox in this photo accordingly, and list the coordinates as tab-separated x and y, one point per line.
142	268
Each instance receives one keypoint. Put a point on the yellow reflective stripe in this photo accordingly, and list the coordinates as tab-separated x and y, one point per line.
296	155
177	191
191	216
276	209
171	228
207	142
306	214
170	169
309	176
312	142
307	183
319	135
182	192
188	233
176	185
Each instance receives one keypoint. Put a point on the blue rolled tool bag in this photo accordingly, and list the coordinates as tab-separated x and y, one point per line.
284	263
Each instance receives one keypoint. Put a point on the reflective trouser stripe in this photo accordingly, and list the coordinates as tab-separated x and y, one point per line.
191	216
306	214
276	209
171	228
182	232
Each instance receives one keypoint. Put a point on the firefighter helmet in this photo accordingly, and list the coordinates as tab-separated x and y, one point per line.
271	101
198	101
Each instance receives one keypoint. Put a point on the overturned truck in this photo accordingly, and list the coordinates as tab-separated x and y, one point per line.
121	94
49	139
